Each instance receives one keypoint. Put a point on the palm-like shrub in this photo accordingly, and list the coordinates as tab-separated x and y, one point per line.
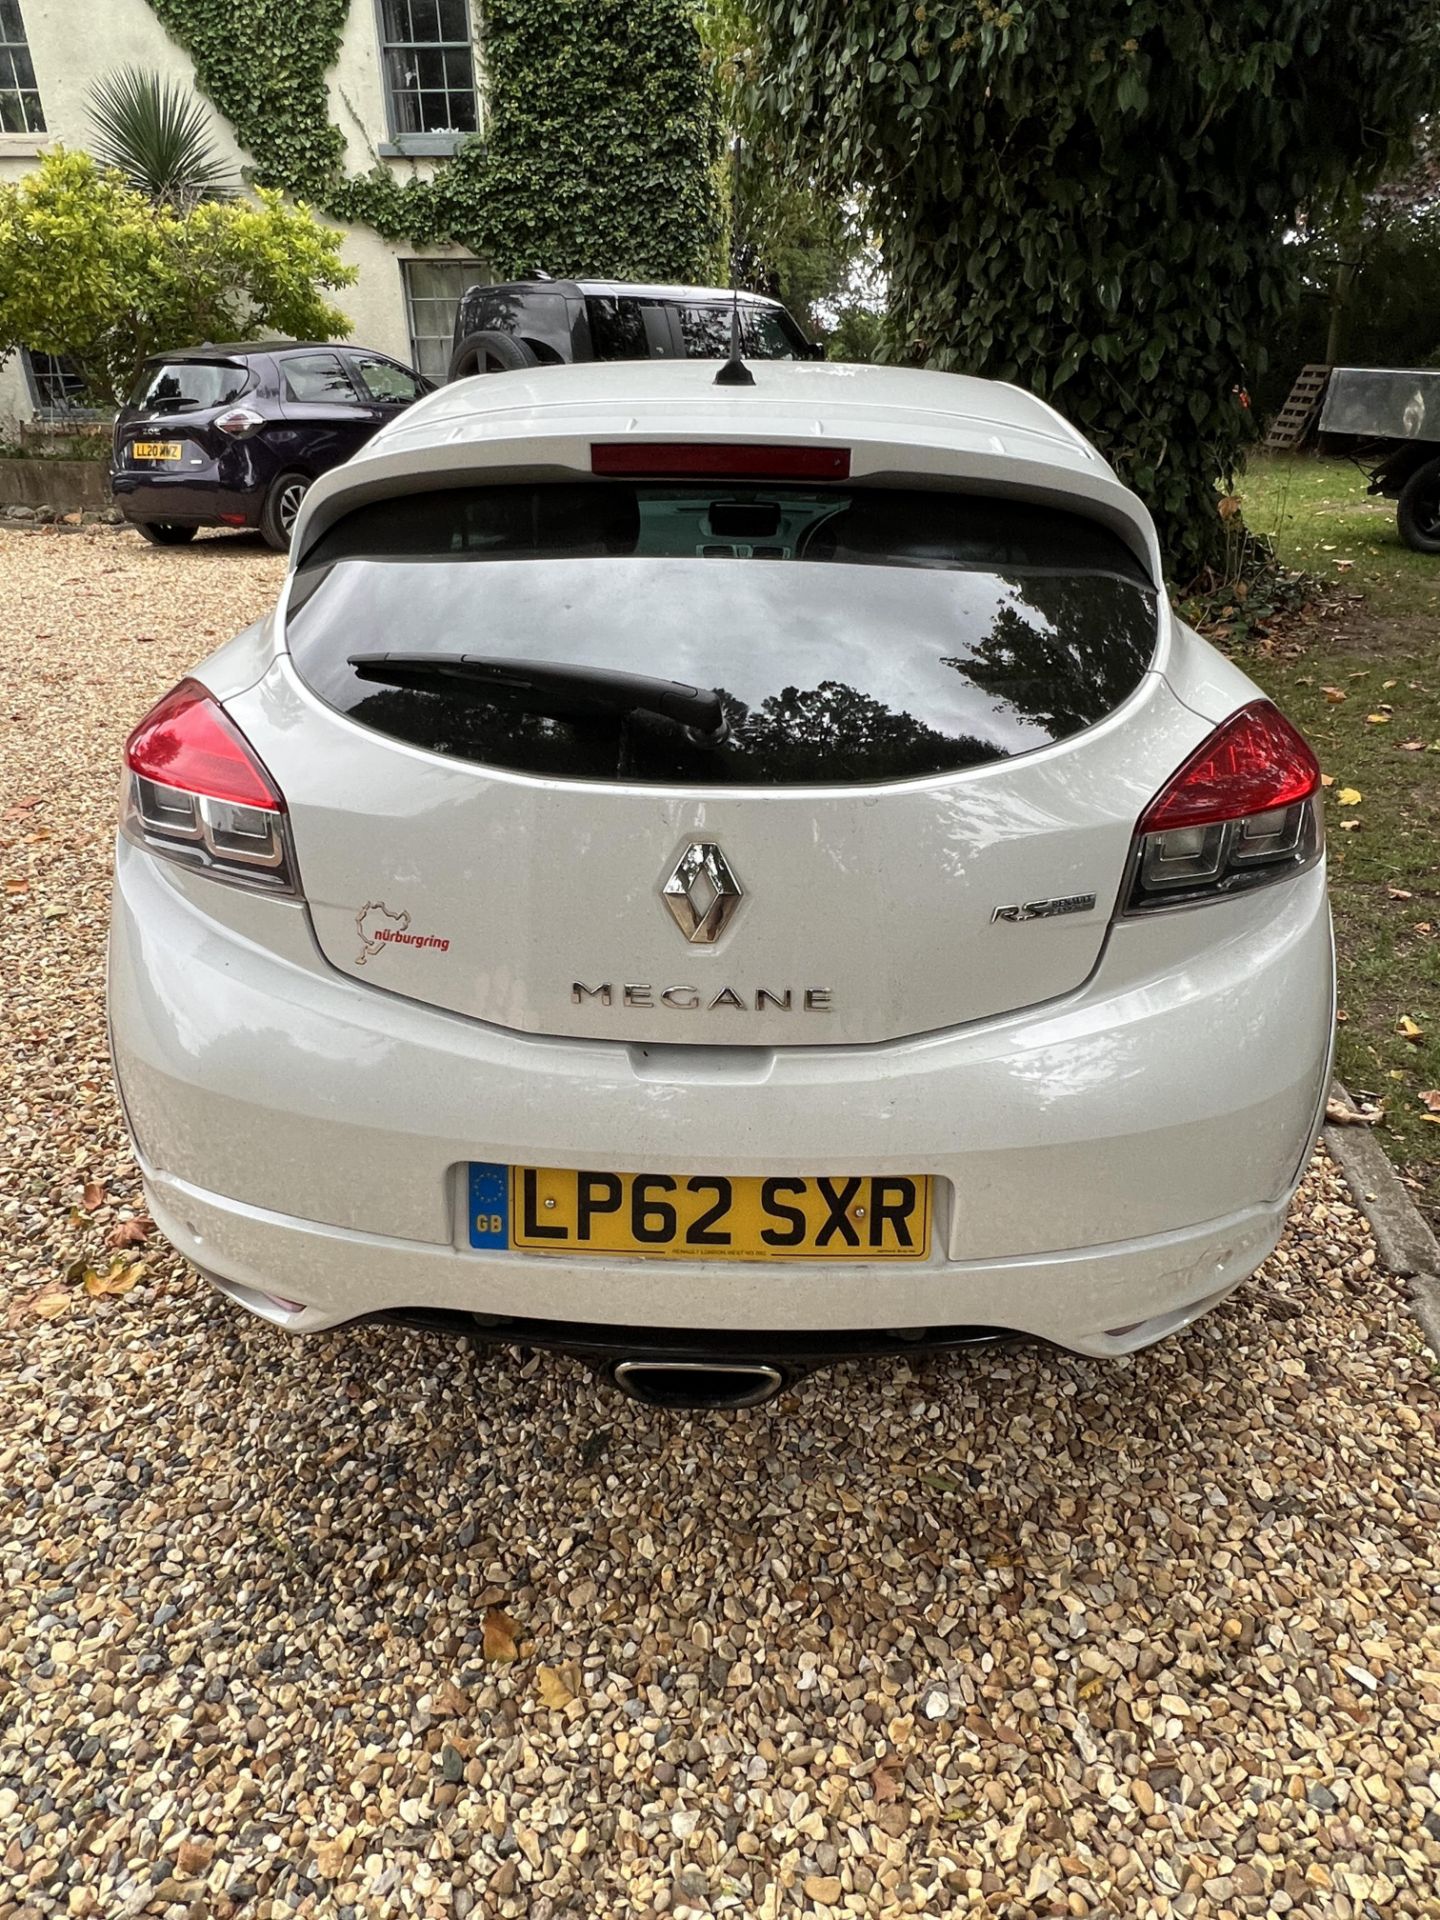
157	135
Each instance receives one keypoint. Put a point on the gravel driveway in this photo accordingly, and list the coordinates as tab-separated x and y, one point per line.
369	1627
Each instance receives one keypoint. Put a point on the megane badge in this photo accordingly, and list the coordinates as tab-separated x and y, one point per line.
702	892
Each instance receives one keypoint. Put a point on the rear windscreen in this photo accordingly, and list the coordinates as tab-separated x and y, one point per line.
187	386
893	633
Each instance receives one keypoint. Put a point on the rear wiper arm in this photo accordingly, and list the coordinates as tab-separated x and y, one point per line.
555	685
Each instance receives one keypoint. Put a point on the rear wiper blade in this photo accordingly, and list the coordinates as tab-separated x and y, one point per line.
554	686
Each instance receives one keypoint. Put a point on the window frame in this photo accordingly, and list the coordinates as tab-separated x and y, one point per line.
27	96
403	143
45	407
478	275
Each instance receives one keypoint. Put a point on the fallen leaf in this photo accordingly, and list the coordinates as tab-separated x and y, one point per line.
120	1278
449	1700
557	1686
1349	826
94	1193
1377	719
17	886
1406	1026
1337	1114
885	1785
50	1306
1349	796
1431	1099
1387	684
1327	779
131	1233
499	1637
1334	695
1398	893
1412	746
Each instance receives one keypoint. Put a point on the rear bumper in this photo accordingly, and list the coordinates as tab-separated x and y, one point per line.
182	499
1077	1300
1107	1167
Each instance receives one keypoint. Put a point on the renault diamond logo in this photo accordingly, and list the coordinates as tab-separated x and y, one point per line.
702	892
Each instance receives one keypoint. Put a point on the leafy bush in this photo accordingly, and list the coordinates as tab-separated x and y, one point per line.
1091	197
91	269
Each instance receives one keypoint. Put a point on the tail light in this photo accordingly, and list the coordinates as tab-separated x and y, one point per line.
1242	811
239	422
197	792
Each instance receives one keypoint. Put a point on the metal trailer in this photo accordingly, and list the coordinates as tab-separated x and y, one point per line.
1388	420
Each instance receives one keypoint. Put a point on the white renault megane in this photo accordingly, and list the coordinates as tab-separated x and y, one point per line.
716	878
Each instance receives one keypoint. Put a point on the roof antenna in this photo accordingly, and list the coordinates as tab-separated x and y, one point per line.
735	373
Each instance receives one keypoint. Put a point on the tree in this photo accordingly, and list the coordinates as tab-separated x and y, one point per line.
157	137
789	236
1092	197
89	268
1390	312
1395	219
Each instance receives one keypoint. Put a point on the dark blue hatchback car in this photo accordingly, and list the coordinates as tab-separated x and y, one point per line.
231	436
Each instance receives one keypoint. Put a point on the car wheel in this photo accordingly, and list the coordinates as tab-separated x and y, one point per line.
491	353
1418	510
165	533
282	504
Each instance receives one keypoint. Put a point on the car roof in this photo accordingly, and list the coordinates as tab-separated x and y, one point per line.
827	393
243	349
902	425
640	289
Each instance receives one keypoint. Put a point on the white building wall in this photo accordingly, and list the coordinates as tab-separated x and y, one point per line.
74	42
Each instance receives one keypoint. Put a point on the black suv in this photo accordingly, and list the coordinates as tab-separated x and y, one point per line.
232	436
543	322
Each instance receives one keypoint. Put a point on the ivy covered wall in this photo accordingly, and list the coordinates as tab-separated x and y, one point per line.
598	150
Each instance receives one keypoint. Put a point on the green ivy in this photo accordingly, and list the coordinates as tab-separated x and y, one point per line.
1096	198
597	154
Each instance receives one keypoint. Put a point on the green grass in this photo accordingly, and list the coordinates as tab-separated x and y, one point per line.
1375	639
1322	521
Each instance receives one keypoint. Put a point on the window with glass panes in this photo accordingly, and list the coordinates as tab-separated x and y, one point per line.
432	293
429	66
19	95
56	387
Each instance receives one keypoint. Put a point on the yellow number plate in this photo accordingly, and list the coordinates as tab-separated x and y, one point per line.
155	450
711	1217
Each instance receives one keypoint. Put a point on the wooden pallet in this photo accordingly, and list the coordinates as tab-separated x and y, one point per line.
1295	419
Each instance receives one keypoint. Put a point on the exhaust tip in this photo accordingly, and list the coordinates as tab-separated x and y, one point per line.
727	1384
